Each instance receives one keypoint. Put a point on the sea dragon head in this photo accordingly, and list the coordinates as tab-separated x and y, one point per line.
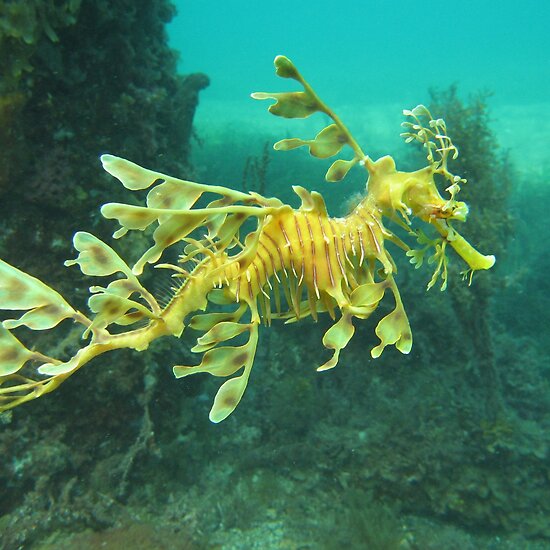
400	196
410	193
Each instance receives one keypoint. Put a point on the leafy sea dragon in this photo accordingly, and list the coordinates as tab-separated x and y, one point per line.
292	264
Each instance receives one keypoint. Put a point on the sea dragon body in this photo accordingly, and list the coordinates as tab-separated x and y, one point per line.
294	263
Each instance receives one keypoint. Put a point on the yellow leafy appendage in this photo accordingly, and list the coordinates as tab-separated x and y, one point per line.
295	263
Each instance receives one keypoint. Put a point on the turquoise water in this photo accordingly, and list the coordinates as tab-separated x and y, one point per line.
381	51
384	55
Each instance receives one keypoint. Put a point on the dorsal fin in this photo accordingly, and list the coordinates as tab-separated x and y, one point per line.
311	201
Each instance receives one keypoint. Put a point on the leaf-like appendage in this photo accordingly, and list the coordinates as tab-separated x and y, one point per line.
394	328
327	143
170	231
96	257
205	321
289	144
55	369
223	361
110	307
311	201
440	257
39	318
171	205
337	338
339	169
13	354
226	330
368	294
226	230
177	195
20	291
302	104
228	397
285	68
129	216
131	175
290	104
119	287
416	257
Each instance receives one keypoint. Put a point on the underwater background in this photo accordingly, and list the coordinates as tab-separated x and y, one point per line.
445	448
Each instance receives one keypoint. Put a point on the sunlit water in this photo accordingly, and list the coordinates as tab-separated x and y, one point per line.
374	59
